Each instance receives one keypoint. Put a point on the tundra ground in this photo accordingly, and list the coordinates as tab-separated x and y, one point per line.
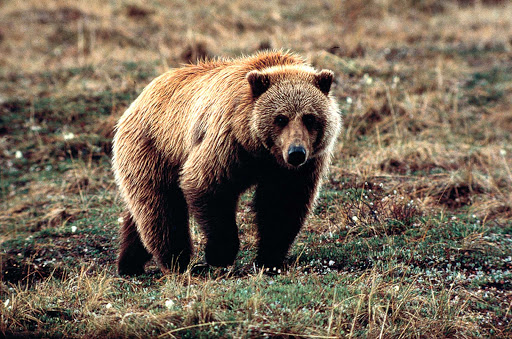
412	233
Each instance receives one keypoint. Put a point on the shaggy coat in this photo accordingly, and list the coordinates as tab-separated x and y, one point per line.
199	136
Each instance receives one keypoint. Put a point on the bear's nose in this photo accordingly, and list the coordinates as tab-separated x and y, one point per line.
296	155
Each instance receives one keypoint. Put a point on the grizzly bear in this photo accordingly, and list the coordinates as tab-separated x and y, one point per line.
199	136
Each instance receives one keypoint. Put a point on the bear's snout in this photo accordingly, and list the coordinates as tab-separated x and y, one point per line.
296	155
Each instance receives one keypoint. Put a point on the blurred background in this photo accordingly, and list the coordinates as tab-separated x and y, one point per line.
420	183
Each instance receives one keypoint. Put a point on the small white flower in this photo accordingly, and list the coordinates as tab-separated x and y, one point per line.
503	152
396	288
169	304
355	218
18	155
120	220
108	306
68	136
73	229
331	262
349	100
367	79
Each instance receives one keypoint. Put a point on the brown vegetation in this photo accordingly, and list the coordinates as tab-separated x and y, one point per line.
425	88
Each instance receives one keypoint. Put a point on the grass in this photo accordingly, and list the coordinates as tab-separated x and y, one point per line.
412	233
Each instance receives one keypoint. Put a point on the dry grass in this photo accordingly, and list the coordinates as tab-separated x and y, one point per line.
412	234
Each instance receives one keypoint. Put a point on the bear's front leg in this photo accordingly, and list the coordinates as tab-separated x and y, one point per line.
216	214
282	202
214	210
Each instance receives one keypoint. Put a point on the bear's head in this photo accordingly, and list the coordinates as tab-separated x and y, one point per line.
293	115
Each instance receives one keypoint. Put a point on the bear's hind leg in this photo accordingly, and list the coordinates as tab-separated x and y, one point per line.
166	230
178	248
133	255
148	184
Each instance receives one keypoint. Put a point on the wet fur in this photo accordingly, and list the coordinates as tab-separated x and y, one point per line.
199	136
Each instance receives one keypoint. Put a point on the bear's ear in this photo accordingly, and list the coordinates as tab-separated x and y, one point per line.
259	82
323	80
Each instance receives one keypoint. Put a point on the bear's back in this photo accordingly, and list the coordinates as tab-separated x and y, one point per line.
177	107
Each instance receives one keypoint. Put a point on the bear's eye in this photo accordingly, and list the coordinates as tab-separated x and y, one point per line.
308	120
281	121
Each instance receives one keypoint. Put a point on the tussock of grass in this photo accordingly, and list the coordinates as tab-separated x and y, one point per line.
412	233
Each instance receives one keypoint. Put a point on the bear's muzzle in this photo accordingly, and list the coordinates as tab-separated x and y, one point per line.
296	155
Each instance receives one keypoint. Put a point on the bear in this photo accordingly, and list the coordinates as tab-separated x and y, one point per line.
198	136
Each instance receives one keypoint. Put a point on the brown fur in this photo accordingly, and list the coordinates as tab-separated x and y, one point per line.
198	136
